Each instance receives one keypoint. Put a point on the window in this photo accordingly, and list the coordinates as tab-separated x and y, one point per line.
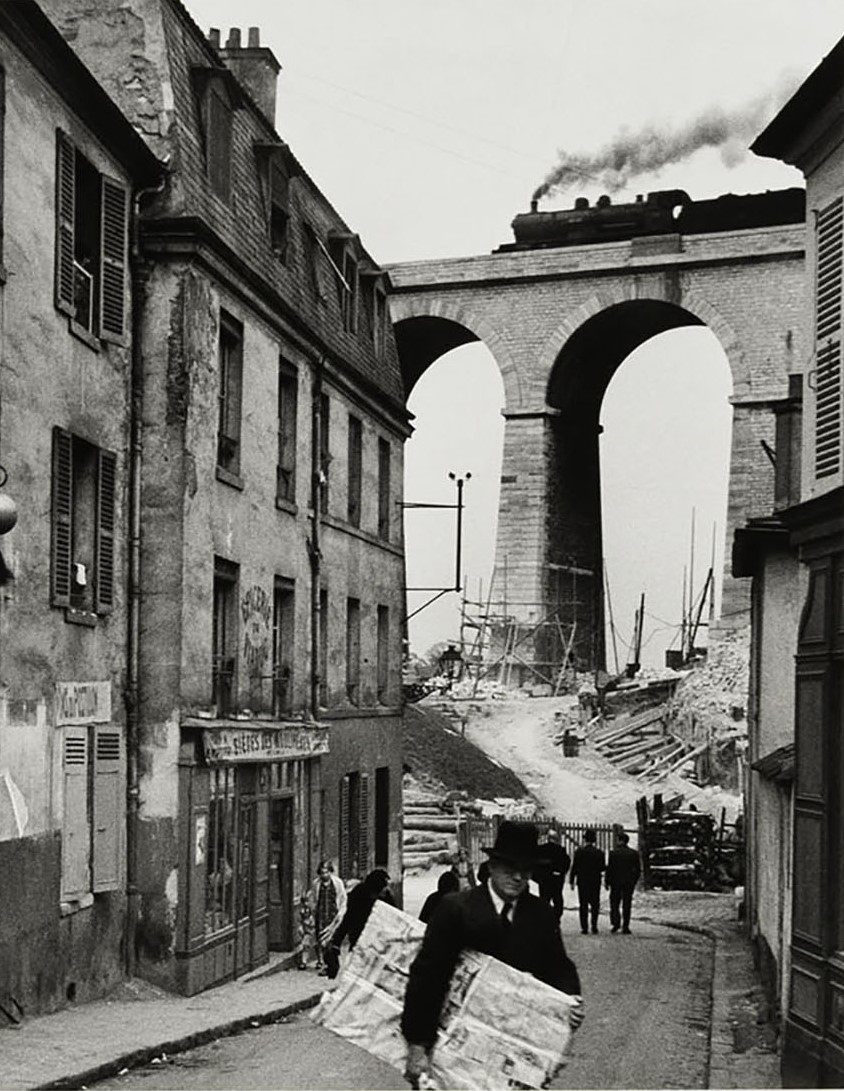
384	489
224	636
218	137
93	810
349	292
279	210
230	394
83	525
353	650
322	641
288	386
91	244
283	630
354	825
828	377
382	665
2	151
355	469
220	852
379	320
322	444
382	816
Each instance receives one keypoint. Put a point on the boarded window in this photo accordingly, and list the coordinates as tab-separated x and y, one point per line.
828	404
322	643
384	491
230	393
353	650
288	386
382	816
355	463
383	654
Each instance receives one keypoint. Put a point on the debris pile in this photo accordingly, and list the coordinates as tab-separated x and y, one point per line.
683	850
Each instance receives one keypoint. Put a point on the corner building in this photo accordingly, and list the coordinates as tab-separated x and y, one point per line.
266	731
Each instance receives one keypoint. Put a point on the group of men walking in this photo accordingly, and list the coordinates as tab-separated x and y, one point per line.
620	874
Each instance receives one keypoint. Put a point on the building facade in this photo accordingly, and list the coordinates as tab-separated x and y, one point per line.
809	133
70	166
266	712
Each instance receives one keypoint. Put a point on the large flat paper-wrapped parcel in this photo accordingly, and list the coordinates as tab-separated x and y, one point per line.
499	1027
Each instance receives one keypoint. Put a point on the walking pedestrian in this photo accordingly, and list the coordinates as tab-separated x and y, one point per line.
448	883
499	918
622	875
586	871
360	902
462	868
551	875
328	897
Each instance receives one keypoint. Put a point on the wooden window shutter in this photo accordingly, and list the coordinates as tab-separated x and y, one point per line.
114	207
828	301
2	151
106	490
363	836
76	842
65	213
345	824
108	808
62	518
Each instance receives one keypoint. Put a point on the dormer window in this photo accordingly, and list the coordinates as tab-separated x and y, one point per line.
344	250
275	173
218	98
374	294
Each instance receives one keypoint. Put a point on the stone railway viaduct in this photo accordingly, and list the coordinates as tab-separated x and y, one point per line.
559	321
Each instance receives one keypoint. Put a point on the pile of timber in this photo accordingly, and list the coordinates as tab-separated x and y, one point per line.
640	744
430	832
679	851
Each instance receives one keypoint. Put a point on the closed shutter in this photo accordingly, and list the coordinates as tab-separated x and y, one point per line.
62	518
113	248
65	209
828	341
108	808
75	836
345	807
106	485
363	836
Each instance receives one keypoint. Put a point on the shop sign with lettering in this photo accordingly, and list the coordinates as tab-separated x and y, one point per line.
83	703
242	744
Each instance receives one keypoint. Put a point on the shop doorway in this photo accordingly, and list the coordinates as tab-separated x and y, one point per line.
281	933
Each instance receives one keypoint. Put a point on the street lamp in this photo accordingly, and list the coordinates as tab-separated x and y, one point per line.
459	481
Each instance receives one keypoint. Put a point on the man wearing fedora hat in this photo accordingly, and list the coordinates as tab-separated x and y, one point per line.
499	918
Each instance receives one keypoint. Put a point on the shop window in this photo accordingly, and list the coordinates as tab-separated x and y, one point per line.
91	244
384	471
83	525
230	353
220	857
224	636
288	388
355	465
353	650
283	658
93	810
382	665
354	825
321	440
382	816
322	641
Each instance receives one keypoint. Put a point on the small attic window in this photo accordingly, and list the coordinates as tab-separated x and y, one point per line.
374	297
344	249
218	99
275	174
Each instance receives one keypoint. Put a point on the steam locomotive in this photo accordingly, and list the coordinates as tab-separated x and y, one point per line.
667	211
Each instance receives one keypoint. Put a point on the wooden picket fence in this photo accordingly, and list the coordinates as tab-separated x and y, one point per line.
475	831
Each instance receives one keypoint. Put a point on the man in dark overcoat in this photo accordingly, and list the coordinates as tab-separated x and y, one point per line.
551	875
499	918
622	875
586	871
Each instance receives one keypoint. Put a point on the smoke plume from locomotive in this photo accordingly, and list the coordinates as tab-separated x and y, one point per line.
633	154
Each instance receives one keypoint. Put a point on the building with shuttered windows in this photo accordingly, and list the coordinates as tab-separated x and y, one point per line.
796	558
70	164
266	733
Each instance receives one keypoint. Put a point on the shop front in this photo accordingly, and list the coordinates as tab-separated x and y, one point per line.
250	806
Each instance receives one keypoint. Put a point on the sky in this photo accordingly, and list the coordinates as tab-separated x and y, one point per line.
430	123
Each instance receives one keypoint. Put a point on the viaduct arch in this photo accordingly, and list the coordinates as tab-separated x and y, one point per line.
559	321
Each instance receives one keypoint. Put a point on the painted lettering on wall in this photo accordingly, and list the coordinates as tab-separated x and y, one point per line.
83	703
256	610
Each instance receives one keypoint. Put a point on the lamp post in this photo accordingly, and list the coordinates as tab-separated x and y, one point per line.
459	482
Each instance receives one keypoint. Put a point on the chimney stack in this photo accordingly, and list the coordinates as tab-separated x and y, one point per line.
253	65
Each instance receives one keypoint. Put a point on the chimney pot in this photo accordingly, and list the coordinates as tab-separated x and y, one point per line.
254	37
214	37
581	203
234	38
604	201
534	204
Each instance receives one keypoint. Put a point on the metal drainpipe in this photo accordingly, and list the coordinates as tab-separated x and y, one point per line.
139	273
314	548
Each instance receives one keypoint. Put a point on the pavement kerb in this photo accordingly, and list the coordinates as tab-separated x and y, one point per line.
145	1054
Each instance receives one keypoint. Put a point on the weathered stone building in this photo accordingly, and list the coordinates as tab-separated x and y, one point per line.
265	719
70	164
804	553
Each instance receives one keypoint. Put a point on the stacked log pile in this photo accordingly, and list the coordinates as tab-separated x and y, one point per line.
678	851
430	832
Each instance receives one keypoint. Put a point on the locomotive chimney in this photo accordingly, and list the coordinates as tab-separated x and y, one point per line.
254	66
